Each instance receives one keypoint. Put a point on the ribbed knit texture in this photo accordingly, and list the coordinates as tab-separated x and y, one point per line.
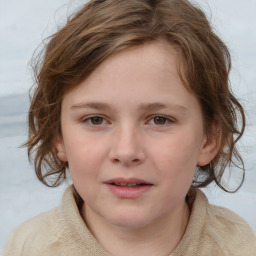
211	230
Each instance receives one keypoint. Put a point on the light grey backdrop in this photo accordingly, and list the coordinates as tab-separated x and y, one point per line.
23	24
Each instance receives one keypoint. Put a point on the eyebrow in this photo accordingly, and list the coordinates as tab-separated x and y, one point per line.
93	105
143	107
160	106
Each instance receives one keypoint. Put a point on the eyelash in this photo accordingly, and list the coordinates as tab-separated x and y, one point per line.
167	120
89	120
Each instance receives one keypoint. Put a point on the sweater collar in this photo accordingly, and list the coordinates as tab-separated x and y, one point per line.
82	241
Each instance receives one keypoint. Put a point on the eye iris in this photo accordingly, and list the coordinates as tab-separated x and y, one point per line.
97	120
159	120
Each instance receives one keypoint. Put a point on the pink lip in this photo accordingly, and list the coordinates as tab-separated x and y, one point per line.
128	192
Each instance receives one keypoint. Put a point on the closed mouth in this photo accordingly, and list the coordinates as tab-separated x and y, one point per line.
129	185
128	188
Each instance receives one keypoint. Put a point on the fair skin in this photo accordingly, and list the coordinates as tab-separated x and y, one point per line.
133	136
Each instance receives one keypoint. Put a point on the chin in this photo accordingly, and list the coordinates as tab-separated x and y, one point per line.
128	220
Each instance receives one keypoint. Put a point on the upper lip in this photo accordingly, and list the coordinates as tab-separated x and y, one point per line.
125	181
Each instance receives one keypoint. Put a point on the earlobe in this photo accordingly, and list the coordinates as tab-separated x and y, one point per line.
62	156
210	146
61	153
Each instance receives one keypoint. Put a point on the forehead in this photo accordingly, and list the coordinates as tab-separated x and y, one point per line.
156	55
141	75
146	63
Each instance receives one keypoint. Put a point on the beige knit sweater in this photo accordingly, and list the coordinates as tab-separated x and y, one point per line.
211	230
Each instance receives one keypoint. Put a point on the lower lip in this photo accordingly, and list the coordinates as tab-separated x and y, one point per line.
129	192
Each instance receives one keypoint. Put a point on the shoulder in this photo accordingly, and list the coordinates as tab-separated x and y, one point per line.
226	222
228	232
214	230
38	231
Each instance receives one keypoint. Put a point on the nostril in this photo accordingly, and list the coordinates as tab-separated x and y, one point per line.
116	160
131	162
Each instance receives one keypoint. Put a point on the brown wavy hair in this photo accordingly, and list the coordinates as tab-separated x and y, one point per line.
103	27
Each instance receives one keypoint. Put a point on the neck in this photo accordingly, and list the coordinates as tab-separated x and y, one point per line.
159	238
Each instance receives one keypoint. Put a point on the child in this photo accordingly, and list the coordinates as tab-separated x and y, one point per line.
132	99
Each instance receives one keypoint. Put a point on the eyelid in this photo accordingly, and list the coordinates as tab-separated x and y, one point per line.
168	118
87	118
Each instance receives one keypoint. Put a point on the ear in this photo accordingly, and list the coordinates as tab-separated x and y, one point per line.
210	145
61	153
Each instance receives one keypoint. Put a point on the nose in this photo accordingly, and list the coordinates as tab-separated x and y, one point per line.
127	147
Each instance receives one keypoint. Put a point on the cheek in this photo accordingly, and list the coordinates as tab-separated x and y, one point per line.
83	168
83	157
177	156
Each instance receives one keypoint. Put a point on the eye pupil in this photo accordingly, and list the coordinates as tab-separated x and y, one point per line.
97	120
159	120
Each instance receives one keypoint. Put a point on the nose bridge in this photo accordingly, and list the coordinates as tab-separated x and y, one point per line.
127	144
127	140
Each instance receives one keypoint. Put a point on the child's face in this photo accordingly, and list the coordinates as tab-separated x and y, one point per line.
133	136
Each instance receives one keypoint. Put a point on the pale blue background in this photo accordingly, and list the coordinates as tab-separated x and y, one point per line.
23	24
